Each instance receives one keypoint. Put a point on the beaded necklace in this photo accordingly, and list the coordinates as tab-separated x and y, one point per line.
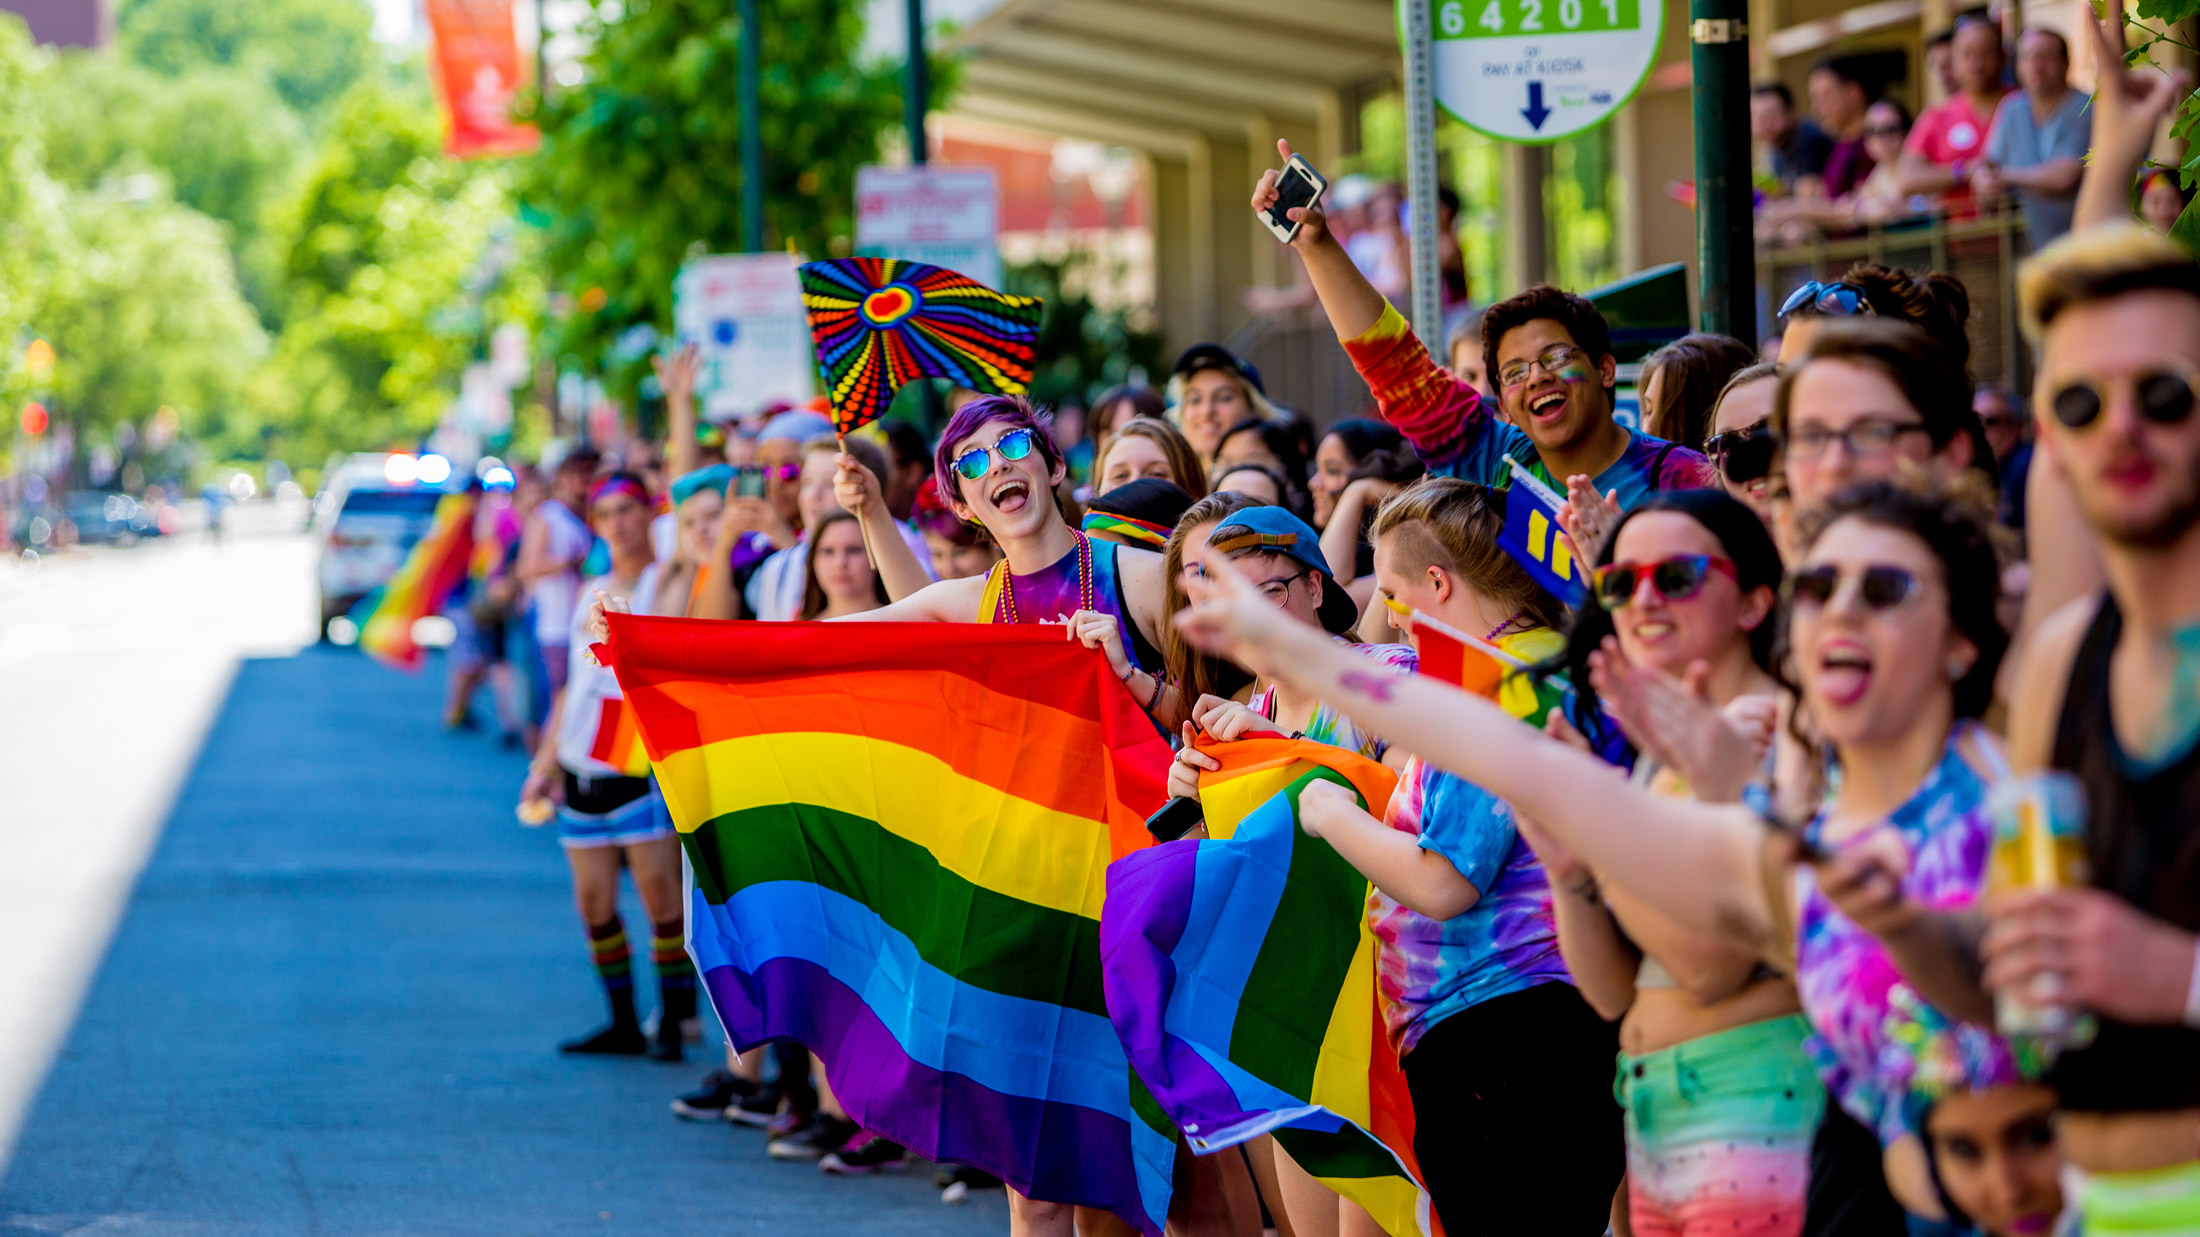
1007	603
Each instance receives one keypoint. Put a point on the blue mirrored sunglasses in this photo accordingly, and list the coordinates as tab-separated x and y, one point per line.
1840	300
1013	445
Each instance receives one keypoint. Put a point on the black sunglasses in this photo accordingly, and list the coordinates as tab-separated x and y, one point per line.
2165	397
1880	588
1743	455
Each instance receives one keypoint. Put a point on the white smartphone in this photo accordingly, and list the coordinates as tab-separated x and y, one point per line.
1300	185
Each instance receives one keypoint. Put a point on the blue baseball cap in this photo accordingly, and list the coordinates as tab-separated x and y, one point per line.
1272	530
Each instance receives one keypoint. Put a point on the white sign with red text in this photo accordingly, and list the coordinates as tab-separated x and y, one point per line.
947	216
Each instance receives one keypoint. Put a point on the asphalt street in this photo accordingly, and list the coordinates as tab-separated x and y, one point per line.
331	997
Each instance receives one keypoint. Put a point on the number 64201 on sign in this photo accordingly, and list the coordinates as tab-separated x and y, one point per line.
1505	19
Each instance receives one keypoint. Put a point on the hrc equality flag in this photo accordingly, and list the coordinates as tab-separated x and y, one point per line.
900	836
434	569
1241	977
1532	536
879	323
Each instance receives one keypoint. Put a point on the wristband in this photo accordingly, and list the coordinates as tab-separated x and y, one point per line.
2192	993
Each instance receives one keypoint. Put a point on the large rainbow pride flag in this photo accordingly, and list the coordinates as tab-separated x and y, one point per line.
431	572
900	837
1241	977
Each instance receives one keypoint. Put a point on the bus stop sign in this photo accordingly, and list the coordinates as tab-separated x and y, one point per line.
1535	71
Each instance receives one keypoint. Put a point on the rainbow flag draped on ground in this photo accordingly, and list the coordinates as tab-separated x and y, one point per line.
433	570
900	836
1241	977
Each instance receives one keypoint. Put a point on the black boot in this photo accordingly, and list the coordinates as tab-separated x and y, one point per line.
679	1006
622	1038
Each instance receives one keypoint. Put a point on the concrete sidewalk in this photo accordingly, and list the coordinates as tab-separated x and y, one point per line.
333	1002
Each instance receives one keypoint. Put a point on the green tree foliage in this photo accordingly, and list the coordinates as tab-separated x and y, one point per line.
1083	348
221	141
136	294
384	244
309	51
641	165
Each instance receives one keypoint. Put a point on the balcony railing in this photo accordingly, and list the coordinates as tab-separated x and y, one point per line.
1982	252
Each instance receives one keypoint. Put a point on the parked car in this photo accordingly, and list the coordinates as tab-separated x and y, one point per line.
105	517
367	524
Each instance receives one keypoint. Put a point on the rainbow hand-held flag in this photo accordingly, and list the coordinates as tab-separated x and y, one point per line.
1241	977
900	837
426	579
879	323
618	740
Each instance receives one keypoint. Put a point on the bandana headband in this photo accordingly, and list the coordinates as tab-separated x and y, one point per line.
1127	526
616	484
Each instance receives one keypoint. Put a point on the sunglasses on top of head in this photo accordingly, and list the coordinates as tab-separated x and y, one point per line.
1879	588
973	464
1676	579
1743	455
1838	299
2164	396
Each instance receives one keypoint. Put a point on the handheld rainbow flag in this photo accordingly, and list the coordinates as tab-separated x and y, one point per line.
1145	532
618	740
878	323
1241	977
900	837
431	572
1532	536
1492	671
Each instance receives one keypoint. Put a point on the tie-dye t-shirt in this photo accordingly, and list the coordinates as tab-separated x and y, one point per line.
1429	969
1334	728
1883	1052
1458	433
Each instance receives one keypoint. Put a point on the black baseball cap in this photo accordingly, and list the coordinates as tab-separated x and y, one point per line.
1215	356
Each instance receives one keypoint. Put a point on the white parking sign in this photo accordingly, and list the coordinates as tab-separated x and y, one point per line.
1540	70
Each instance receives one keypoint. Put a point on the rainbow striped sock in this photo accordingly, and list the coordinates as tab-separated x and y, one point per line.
675	974
614	967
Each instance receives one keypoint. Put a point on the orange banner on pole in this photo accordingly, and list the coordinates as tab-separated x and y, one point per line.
477	73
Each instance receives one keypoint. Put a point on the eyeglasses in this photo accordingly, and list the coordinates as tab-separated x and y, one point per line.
1278	590
779	472
1676	579
1013	445
1879	588
1551	360
1744	455
1869	438
2164	396
1838	299
1884	130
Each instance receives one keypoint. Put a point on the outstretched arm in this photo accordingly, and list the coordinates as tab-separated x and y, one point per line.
1434	408
677	375
1696	863
2128	106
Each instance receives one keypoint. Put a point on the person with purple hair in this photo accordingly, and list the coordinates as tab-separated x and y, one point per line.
997	466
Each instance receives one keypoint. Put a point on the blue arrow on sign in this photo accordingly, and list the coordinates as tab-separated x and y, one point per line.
1535	111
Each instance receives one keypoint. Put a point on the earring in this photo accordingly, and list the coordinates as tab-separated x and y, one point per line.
1957	669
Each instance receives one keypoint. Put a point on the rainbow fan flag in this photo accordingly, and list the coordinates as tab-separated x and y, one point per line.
431	572
879	323
900	836
1241	978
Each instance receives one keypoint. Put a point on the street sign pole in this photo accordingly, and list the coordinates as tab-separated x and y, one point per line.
1719	38
1428	312
752	141
916	85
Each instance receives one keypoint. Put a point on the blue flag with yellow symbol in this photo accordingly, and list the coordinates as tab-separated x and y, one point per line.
1532	536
